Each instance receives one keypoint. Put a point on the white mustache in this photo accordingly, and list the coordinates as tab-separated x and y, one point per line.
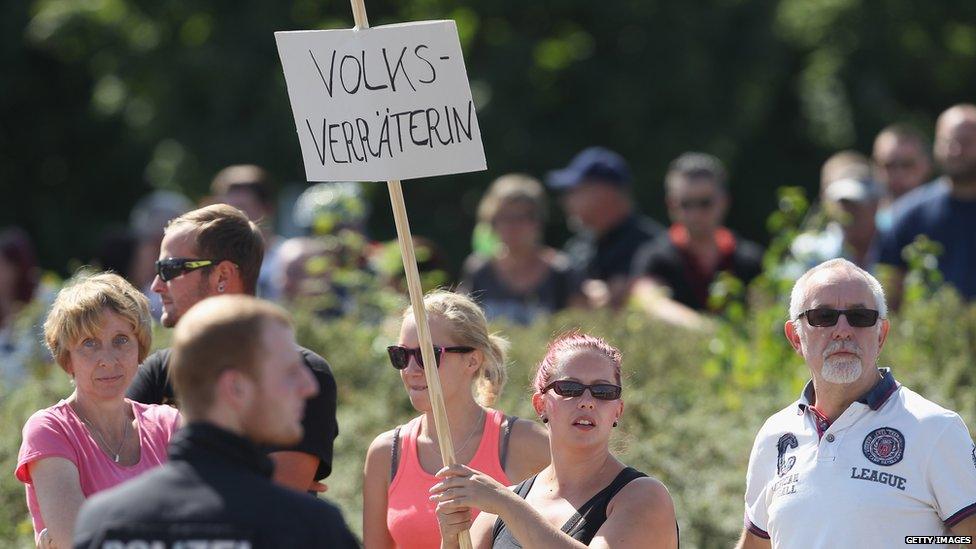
842	345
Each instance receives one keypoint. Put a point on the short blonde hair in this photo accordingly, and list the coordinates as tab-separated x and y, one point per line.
468	326
513	187
217	334
77	312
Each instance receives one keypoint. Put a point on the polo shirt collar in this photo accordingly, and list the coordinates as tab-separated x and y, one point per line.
873	398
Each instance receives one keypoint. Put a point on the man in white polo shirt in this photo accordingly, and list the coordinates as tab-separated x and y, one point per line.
859	460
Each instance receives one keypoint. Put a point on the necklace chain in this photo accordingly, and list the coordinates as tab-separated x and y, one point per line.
118	451
477	424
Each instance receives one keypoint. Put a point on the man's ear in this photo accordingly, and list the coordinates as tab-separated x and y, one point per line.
671	204
793	336
226	278
883	335
234	388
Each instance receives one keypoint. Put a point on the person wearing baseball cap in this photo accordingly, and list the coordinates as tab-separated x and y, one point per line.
850	198
595	189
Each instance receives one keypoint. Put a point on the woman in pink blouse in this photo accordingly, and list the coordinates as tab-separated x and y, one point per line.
98	330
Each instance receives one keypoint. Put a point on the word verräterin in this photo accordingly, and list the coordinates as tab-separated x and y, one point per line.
390	133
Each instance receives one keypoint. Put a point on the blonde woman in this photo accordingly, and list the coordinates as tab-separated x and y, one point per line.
98	331
400	463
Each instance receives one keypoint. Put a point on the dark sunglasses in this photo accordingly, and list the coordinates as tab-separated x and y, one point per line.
174	267
700	204
573	389
400	355
858	318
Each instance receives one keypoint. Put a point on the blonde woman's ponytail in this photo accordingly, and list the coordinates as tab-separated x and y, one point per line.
493	375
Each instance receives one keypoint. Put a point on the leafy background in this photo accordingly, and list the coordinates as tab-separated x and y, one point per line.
106	99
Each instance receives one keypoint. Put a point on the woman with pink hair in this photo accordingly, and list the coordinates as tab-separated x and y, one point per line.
586	497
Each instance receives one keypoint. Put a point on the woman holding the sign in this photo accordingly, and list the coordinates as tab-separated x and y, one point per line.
586	497
400	464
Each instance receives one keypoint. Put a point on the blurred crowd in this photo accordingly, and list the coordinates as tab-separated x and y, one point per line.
870	207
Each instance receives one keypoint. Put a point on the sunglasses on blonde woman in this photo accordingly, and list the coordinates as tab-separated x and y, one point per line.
400	355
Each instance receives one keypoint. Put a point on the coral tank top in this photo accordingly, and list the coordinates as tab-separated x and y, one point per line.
410	516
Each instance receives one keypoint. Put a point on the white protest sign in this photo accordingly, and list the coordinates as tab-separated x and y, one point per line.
380	104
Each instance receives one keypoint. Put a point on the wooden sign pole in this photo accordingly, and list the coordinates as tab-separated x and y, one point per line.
441	425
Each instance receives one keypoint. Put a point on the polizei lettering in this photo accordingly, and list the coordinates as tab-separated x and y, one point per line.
863	473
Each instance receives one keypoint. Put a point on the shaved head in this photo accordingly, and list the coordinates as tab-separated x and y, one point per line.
955	144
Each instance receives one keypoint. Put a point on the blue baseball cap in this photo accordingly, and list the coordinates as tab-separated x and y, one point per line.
593	164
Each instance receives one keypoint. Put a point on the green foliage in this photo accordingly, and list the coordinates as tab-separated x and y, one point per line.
105	99
46	387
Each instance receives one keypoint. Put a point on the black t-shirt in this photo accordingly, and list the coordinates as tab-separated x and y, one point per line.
671	266
611	255
152	386
215	491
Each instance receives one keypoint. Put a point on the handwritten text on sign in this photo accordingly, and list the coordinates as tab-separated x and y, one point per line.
384	103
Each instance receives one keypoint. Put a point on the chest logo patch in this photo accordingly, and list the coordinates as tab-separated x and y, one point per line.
884	446
785	442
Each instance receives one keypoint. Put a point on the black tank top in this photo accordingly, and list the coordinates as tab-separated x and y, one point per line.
583	525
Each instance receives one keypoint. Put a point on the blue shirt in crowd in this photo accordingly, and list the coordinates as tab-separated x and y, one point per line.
932	211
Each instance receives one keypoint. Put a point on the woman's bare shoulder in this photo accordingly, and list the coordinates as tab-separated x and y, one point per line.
645	493
528	450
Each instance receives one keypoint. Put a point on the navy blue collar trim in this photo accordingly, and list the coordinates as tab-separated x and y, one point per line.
874	398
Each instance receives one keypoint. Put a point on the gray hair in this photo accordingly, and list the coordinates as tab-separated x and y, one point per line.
799	294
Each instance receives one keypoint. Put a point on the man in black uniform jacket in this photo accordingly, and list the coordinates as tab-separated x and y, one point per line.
217	250
241	383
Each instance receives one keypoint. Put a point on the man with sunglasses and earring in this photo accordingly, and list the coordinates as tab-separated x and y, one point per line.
672	275
212	251
858	460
